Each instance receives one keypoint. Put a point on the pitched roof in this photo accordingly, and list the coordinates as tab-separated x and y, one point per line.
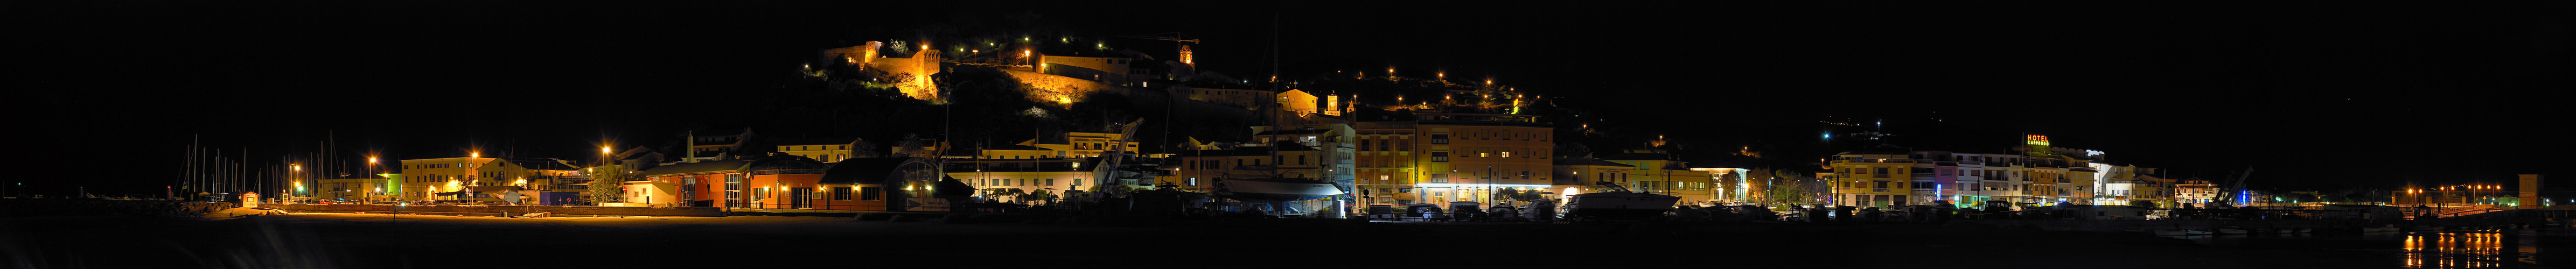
817	141
1714	164
696	167
864	170
1589	161
1638	156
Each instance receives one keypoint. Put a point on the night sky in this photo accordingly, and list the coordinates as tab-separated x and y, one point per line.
2315	96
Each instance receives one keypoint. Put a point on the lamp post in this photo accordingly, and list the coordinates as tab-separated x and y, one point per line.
299	183
605	157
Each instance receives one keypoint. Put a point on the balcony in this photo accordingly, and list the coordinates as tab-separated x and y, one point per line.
1878	190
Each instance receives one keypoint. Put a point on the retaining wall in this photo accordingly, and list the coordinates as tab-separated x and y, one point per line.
497	209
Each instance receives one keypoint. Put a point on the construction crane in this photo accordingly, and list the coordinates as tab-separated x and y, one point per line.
1176	38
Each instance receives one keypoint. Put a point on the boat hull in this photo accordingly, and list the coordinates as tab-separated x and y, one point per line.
1621	205
1276	190
2169	232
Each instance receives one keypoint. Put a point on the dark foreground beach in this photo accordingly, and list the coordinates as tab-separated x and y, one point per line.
324	240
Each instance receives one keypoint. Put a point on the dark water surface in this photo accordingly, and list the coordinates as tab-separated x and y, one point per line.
2512	248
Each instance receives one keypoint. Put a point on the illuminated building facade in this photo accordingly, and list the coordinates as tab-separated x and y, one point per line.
1656	172
1461	156
1002	179
1579	175
828	149
439	175
2195	192
1876	177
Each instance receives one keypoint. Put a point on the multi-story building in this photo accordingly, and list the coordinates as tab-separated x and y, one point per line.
429	176
2127	184
1005	180
1387	163
1465	156
1874	177
1898	177
2196	192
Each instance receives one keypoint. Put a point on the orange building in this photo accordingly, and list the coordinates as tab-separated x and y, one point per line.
880	184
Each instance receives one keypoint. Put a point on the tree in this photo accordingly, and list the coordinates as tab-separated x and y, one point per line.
1517	194
2142	203
1795	191
604	188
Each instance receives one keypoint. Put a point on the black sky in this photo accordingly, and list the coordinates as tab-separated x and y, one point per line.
2319	95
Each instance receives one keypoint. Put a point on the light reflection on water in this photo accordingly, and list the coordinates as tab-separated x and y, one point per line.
2465	249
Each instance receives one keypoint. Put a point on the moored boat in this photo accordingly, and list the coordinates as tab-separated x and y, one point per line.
2231	231
2170	232
1619	203
1275	189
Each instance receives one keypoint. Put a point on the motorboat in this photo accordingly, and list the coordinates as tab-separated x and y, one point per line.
1275	194
2195	232
1619	203
1276	189
2170	232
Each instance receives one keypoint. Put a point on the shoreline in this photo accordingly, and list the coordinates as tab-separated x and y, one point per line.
338	238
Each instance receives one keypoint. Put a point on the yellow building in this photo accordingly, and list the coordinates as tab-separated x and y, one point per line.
1586	175
436	175
439	175
1467	155
1386	162
1728	182
1874	177
355	189
828	150
1656	172
1003	180
2195	192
